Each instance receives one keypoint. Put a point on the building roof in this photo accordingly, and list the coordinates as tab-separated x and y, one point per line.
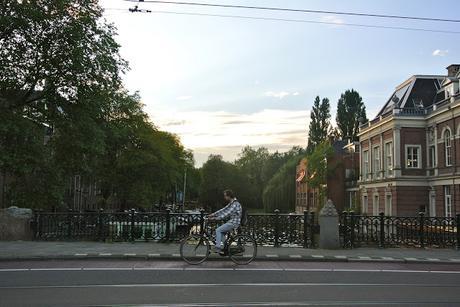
417	92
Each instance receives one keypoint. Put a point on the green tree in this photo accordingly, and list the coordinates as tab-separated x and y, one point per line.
320	123
320	168
251	163
218	175
55	51
280	190
350	110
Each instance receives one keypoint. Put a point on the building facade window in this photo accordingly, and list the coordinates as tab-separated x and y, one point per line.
389	158
447	201
432	204
366	164
448	147
376	162
365	204
388	204
432	156
375	205
413	156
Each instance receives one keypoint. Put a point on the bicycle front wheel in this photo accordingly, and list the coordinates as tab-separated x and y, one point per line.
242	249
194	249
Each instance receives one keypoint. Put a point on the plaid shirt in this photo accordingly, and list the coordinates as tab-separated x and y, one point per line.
232	211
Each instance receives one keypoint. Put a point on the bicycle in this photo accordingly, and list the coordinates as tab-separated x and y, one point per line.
196	248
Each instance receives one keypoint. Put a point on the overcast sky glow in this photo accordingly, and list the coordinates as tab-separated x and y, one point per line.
223	83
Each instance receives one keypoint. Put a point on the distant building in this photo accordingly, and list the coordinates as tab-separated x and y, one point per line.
410	153
342	185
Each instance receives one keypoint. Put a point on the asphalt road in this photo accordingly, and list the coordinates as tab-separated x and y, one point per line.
144	283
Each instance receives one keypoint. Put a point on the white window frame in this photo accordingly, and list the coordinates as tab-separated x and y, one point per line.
432	202
375	204
448	201
389	162
376	162
419	156
366	164
432	157
365	204
447	147
388	204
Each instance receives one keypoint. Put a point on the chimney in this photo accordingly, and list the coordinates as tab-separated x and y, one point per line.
452	70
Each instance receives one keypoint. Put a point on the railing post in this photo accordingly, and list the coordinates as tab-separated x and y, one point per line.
277	230
458	231
100	224
381	230
422	229
305	229
168	224
69	223
37	224
202	221
132	217
343	223
312	229
352	229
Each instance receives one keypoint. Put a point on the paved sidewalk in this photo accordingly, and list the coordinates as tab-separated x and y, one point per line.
13	250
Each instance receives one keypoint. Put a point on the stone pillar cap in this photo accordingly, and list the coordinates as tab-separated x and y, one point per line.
328	209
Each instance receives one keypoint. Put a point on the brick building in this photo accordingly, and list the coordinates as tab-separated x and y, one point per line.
410	153
342	185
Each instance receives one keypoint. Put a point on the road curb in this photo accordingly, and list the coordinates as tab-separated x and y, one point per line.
176	257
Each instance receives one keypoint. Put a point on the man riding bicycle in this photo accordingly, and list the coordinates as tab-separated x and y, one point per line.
232	212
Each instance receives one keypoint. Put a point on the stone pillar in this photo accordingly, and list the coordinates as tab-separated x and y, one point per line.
329	227
15	224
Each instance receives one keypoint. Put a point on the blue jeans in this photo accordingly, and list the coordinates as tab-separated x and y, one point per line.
221	230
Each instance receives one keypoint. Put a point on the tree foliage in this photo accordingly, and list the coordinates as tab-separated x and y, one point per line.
350	110
64	111
320	122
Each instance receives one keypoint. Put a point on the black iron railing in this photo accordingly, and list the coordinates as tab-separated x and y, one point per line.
268	229
389	231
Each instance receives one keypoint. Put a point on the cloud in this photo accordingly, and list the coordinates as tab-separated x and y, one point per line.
332	19
281	94
220	132
183	97
439	52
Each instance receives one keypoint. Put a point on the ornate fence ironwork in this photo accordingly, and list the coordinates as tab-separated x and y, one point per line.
389	231
268	229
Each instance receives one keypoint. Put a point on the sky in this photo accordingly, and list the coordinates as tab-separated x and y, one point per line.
223	83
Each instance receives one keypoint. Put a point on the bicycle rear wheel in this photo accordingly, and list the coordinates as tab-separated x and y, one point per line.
242	249
194	249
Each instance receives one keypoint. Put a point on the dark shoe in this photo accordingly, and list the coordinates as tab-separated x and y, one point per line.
216	250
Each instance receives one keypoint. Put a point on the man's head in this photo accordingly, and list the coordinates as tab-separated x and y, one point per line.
228	195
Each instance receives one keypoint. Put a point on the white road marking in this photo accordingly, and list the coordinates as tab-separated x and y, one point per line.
340	257
175	255
154	255
454	260
271	256
387	258
81	255
364	258
433	259
295	256
317	256
55	269
105	254
411	259
129	254
197	285
108	269
13	270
